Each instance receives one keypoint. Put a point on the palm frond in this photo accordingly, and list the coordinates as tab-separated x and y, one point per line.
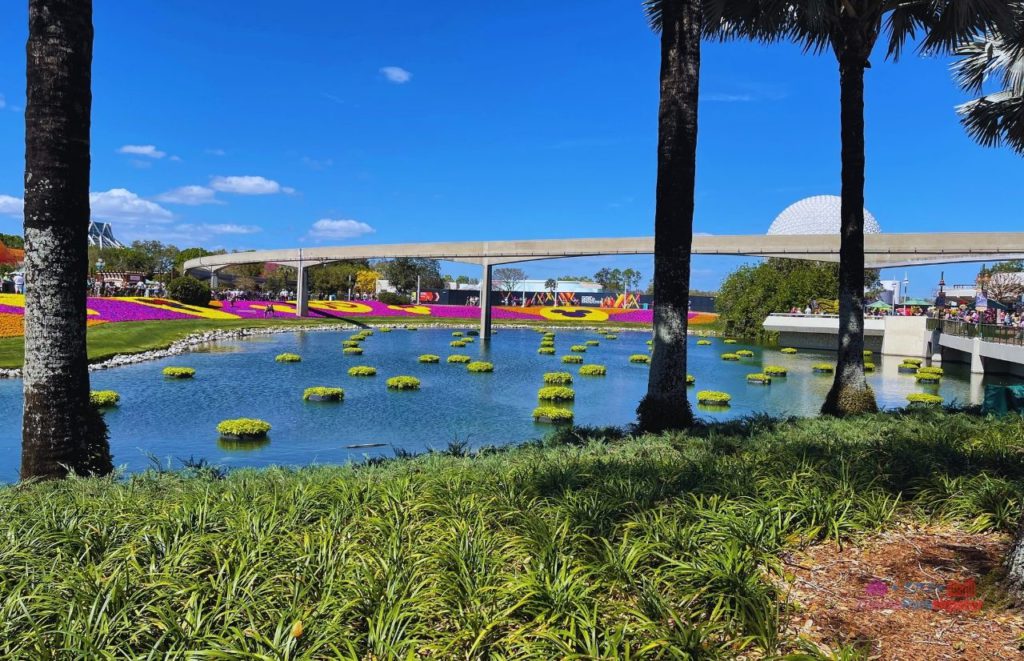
995	120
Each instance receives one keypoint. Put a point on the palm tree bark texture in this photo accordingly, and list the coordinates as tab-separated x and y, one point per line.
665	405
850	392
61	431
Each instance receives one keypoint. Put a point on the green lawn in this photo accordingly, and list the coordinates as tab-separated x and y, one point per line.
588	545
127	337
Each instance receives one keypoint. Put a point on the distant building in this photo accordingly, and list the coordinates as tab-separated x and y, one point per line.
101	235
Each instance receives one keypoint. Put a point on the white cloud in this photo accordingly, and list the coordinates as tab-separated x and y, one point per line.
327	228
249	185
190	195
228	228
12	206
149	151
122	204
396	75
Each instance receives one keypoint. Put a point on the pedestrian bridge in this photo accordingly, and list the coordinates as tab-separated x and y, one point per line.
880	250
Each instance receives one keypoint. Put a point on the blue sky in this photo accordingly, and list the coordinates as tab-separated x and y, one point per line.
266	124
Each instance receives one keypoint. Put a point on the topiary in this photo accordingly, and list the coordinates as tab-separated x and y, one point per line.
458	358
572	359
713	398
787	350
480	366
578	348
179	372
556	394
823	368
362	370
546	351
290	357
104	398
775	370
323	394
189	291
429	358
760	378
243	428
557	378
593	370
352	351
403	383
730	356
640	358
552	414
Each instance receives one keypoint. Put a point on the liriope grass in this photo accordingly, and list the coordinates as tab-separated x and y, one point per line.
587	544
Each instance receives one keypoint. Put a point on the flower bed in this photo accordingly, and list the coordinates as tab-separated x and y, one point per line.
923	398
593	370
572	359
323	394
104	398
557	378
179	372
556	394
789	350
289	358
759	378
458	358
730	356
823	368
713	398
362	370
429	358
775	370
403	383
640	358
480	366
552	414
242	429
352	351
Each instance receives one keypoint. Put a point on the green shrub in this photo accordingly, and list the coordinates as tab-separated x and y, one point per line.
350	343
352	351
547	345
458	358
730	356
640	358
729	341
556	394
650	342
189	291
362	370
572	359
386	329
429	358
480	366
546	351
930	370
592	343
457	343
578	348
609	336
713	398
691	380
179	372
391	298
759	378
469	340
243	428
869	367
917	362
787	350
366	332
593	370
356	337
745	353
823	368
552	414
557	378
323	393
104	398
927	377
403	383
924	398
290	357
549	334
703	343
868	353
775	370
456	333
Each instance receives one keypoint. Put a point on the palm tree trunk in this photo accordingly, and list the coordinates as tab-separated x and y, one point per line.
665	406
61	430
1015	565
850	393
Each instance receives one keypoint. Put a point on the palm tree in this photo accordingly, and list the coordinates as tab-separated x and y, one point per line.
994	119
61	430
665	405
850	29
552	286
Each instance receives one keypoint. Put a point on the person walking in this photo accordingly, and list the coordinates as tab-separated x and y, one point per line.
19	283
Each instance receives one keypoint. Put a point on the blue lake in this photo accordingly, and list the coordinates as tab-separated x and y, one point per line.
174	420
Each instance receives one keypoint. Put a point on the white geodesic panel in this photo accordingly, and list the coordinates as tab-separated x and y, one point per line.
817	215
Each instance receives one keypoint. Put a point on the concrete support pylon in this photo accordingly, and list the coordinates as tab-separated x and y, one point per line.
485	303
214	283
302	292
977	367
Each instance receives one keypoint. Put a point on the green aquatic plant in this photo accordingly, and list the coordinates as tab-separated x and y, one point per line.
385	329
787	350
323	394
457	343
403	383
362	370
775	370
917	362
556	394
458	358
352	351
869	367
640	358
104	398
730	356
429	358
930	370
745	353
456	333
350	343
243	428
713	398
759	378
609	336
823	368
288	358
868	353
924	399
578	348
480	366
691	380
546	351
729	341
572	359
927	377
558	378
593	370
593	343
179	372
552	414
703	343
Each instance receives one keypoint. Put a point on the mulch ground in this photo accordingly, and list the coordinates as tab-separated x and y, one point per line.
907	595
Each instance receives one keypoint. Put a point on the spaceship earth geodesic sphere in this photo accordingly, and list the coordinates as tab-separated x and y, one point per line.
817	215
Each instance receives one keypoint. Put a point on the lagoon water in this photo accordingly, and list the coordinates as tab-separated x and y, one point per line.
174	420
